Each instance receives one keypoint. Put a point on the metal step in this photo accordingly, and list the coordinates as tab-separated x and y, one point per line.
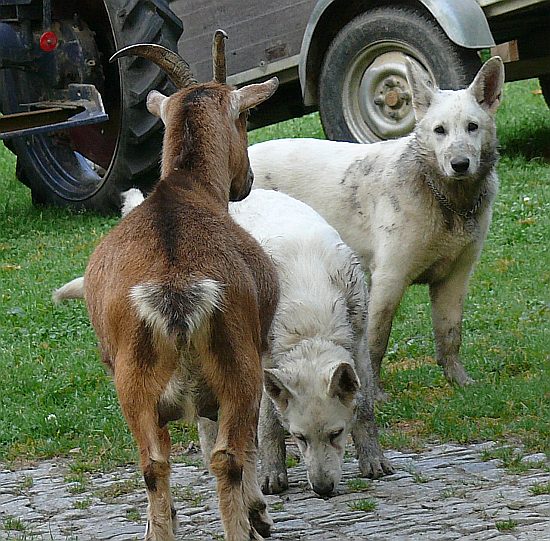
79	105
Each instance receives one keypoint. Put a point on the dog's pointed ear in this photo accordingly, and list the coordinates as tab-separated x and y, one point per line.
343	383
422	89
488	83
276	387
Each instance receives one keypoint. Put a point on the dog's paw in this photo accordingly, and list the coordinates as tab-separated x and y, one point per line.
375	466
273	481
456	374
380	395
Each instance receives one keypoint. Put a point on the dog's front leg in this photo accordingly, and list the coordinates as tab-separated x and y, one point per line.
364	432
271	435
385	295
447	298
208	432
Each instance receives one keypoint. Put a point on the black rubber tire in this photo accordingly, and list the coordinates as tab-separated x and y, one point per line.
135	158
544	81
385	30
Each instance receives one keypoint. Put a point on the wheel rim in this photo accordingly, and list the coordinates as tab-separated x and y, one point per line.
376	98
74	164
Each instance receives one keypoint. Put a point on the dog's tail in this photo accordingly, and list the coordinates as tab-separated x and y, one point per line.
130	200
71	290
174	311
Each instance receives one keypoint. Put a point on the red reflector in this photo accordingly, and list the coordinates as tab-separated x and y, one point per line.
48	41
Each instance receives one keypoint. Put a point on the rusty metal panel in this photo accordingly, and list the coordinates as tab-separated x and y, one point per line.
259	32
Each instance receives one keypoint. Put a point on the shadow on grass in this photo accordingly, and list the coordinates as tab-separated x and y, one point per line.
529	142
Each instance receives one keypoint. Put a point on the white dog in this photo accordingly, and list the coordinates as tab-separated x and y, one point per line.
415	209
318	376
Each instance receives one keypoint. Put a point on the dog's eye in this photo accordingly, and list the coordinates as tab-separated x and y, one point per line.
472	126
335	435
439	130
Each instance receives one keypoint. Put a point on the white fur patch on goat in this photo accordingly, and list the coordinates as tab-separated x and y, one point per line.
169	310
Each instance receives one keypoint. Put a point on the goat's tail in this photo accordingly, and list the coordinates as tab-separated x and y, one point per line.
177	312
71	290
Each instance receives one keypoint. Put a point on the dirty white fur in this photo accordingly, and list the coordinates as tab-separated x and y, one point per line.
71	290
318	375
130	199
378	197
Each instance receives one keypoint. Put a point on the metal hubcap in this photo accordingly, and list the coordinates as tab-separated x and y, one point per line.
377	100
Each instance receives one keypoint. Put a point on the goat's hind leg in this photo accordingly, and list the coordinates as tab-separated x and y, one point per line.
237	384
139	404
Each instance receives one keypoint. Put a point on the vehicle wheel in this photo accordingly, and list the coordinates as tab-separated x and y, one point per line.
544	81
88	167
363	90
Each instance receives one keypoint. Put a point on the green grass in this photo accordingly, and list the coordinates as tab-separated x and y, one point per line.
365	505
506	525
538	489
58	400
359	485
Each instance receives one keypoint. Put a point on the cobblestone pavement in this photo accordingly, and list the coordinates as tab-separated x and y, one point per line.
443	493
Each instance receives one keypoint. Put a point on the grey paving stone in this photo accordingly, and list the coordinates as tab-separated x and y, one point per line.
445	493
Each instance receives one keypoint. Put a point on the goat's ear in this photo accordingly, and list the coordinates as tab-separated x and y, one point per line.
421	88
252	95
343	383
276	388
156	104
488	83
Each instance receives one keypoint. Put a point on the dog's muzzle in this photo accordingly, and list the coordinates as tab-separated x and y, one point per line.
460	165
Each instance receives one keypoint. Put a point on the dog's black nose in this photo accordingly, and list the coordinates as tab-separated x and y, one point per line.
323	489
460	165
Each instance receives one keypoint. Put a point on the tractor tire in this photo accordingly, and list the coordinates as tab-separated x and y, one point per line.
364	95
129	142
544	81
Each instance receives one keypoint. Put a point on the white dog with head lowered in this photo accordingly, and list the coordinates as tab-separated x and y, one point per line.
415	209
318	376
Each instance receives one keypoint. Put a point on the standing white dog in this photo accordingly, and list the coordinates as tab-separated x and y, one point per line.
416	209
318	376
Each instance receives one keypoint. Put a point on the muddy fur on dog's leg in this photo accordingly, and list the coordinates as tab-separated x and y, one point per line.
271	435
208	432
385	296
372	462
447	299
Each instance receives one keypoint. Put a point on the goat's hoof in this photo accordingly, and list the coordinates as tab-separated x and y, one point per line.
260	519
274	481
255	536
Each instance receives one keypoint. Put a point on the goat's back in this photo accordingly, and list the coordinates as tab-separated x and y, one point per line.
173	241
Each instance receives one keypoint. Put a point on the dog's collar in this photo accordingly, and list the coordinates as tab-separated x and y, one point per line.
447	204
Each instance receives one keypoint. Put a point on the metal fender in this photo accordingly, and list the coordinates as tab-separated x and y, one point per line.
463	21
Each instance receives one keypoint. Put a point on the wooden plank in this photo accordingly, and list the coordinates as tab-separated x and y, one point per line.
494	8
259	32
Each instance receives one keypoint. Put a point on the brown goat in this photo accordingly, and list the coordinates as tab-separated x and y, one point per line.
181	299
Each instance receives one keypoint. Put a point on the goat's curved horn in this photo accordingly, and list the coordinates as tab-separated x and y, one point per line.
218	56
173	64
